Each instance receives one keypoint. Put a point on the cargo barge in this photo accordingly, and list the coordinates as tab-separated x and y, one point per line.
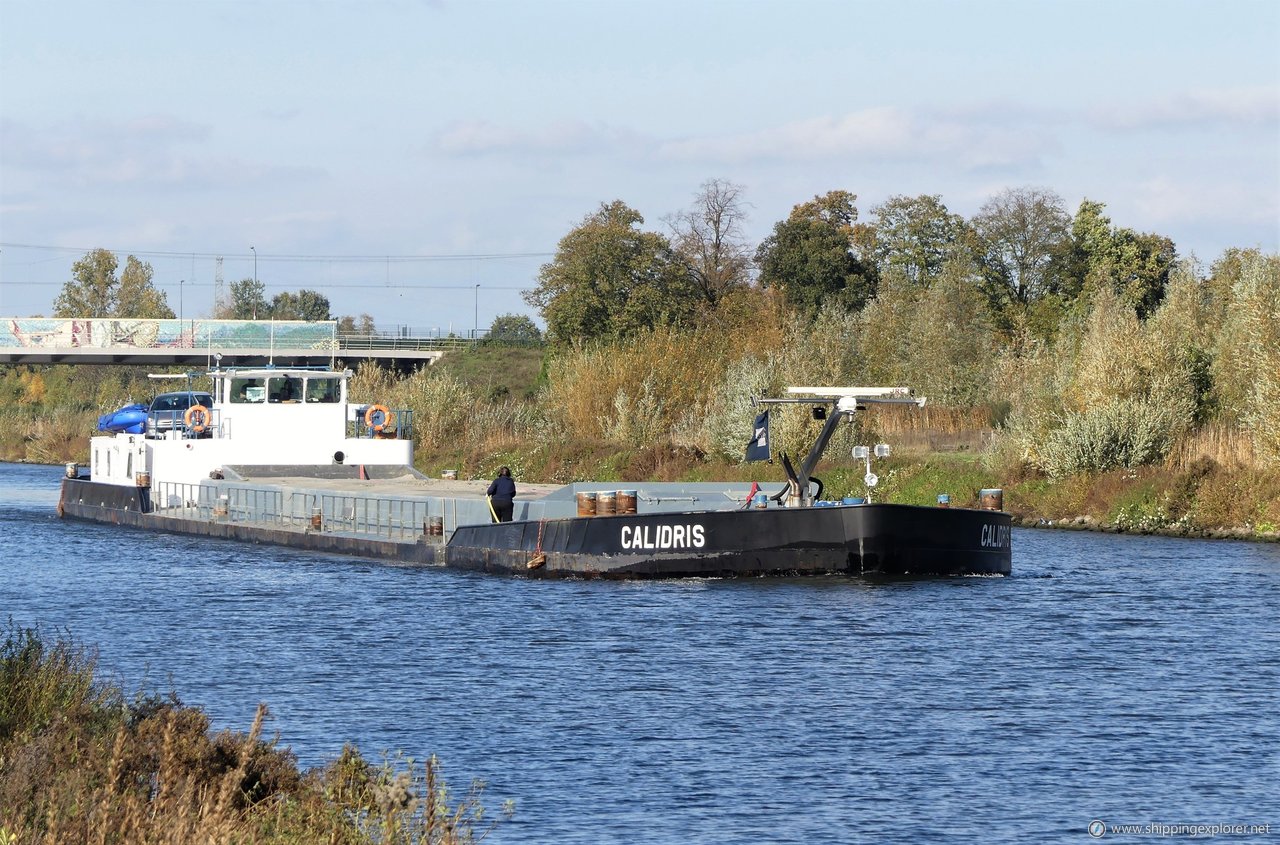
281	456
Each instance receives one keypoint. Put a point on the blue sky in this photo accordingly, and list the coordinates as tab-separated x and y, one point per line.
396	154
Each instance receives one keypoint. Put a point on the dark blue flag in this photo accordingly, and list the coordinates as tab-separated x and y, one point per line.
758	446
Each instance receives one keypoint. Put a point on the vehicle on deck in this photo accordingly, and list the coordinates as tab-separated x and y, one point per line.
172	412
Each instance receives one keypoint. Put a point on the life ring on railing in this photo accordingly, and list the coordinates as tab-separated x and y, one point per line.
197	418
377	417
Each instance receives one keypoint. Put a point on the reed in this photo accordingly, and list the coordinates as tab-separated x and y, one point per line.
80	763
1223	444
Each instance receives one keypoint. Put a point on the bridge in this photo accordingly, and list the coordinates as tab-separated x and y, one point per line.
137	342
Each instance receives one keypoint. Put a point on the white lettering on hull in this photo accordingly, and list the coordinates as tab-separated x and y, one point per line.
663	536
995	536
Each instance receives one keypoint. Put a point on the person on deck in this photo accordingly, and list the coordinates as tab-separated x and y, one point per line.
502	494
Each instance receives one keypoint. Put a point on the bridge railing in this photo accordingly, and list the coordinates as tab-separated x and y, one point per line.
215	335
398	342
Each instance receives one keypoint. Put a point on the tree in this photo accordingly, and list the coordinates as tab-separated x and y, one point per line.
609	279
917	235
137	296
514	330
95	291
1136	266
708	238
248	301
92	290
352	325
1023	234
303	305
951	340
810	255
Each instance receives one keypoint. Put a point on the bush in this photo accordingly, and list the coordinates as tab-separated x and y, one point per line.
78	765
1117	434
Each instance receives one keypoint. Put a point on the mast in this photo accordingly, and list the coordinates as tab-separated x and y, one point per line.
839	403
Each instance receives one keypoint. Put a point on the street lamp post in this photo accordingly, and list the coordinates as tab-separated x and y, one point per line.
255	281
181	282
475	334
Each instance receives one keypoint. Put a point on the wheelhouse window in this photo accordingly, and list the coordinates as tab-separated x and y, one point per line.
246	390
284	389
322	390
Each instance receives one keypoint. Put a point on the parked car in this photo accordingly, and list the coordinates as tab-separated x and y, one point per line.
168	412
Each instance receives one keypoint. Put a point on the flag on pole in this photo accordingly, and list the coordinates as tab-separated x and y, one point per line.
758	447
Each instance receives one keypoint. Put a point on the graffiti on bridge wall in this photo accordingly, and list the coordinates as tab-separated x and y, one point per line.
107	333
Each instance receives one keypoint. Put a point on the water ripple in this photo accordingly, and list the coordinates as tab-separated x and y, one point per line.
1125	678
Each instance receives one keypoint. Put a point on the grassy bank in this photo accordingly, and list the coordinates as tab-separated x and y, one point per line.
82	761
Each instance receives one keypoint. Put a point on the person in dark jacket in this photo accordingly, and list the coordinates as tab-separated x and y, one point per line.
502	494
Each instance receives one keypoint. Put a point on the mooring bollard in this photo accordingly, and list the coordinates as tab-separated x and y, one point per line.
991	499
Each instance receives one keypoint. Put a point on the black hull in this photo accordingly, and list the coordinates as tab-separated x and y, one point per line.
866	540
880	540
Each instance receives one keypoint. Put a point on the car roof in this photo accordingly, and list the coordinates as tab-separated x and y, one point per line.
183	393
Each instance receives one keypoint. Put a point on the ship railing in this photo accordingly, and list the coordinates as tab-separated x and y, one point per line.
377	516
399	426
183	500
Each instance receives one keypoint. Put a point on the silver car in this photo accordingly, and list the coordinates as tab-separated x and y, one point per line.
168	412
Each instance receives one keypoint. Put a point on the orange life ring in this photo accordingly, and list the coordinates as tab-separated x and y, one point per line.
380	413
196	418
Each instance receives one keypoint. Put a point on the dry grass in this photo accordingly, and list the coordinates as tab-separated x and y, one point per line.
79	764
1225	445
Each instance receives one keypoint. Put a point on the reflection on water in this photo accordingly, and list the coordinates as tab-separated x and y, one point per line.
1122	678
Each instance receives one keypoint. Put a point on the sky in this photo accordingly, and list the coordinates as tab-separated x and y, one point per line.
420	161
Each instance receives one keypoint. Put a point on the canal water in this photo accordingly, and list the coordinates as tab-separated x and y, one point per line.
1132	680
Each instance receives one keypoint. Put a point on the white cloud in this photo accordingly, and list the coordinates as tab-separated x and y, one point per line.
968	141
1205	107
1165	201
156	151
480	137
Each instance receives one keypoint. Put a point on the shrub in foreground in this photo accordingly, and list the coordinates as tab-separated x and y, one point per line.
80	763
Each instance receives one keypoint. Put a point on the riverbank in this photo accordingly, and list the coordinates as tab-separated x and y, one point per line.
83	761
1206	500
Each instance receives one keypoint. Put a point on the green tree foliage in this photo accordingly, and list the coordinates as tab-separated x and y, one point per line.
302	305
1024	237
95	290
1181	336
137	296
362	325
810	256
886	330
1136	266
951	341
248	301
610	279
514	330
916	236
92	290
708	238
